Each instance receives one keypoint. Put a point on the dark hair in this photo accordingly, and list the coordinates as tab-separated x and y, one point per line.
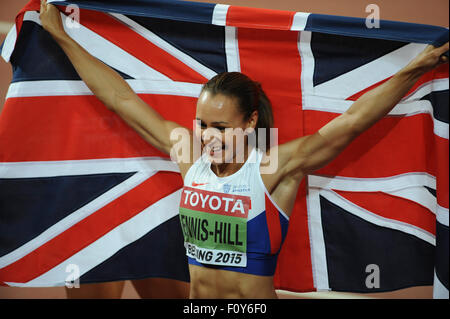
250	97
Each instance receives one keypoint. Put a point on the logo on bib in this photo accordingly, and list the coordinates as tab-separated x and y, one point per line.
216	203
198	184
226	188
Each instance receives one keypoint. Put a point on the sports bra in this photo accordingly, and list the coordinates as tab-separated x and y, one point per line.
231	223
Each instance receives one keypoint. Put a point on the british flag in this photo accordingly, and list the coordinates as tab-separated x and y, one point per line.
79	187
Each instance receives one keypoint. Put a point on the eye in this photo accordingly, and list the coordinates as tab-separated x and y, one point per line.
220	128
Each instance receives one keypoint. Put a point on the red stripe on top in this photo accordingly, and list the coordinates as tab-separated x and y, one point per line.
393	207
93	227
121	35
273	225
259	18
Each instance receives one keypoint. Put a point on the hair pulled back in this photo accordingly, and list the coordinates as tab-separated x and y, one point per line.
249	95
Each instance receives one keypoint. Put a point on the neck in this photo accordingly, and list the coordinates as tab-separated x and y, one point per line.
226	169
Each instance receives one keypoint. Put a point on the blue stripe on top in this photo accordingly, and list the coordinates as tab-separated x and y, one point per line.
388	30
203	12
164	9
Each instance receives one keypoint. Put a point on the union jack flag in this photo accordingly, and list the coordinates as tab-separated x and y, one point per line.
77	186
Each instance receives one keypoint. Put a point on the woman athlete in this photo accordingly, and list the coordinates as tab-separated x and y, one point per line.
226	203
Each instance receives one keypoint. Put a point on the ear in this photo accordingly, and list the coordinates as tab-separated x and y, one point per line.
253	119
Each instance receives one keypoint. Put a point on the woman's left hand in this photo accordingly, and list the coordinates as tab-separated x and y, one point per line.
429	58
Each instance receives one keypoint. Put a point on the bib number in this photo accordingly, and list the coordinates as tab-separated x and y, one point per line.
216	257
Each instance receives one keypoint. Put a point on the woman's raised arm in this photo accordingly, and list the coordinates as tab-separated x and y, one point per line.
307	154
109	86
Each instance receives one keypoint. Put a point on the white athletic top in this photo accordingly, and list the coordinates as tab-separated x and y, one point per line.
231	222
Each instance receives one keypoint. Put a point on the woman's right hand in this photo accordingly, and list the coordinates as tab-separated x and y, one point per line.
51	19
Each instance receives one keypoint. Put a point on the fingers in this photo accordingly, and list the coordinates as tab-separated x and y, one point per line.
43	5
442	49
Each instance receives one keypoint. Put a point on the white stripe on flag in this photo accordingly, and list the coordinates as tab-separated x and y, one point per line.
406	108
106	51
165	87
441	129
384	184
426	88
316	240
308	63
299	21
232	49
377	219
75	217
352	82
76	87
110	243
219	16
9	43
86	167
439	290
164	45
442	215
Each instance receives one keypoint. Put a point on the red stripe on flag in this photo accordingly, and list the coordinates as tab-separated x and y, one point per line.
279	77
294	268
138	46
393	207
259	18
78	127
395	145
272	58
273	225
442	171
91	228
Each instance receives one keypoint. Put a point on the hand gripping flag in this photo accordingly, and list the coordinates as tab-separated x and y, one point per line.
77	186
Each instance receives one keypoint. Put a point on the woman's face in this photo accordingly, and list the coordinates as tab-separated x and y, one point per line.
220	127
